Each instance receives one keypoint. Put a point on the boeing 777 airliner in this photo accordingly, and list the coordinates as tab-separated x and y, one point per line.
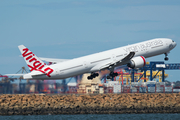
134	56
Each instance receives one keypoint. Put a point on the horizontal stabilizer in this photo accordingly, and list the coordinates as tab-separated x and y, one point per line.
14	74
37	73
53	60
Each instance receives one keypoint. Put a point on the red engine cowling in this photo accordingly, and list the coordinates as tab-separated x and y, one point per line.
137	62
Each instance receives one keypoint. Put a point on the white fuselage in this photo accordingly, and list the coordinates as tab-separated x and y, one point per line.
85	64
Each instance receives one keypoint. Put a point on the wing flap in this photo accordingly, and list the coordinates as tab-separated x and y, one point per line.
113	63
125	59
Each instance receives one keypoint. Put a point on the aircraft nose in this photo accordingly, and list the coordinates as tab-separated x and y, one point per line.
172	45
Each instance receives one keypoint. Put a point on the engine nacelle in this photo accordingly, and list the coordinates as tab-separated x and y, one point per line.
137	62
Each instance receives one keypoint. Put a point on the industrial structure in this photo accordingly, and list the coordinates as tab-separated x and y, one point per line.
150	78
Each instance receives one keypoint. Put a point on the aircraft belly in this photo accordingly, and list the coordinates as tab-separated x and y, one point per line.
70	73
75	72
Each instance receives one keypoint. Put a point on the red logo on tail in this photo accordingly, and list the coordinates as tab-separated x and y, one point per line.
36	65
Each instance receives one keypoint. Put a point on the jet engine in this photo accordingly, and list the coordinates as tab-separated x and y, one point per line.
137	62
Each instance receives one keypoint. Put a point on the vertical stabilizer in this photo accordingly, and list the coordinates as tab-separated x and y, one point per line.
31	59
33	62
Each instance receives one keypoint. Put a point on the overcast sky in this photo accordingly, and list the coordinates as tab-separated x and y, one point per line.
72	28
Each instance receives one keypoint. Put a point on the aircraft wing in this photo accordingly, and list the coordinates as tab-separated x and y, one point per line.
53	60
106	65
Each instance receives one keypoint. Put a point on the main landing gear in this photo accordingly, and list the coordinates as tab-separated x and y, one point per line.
111	75
166	58
93	75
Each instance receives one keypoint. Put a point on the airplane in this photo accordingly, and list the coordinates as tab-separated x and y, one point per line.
134	56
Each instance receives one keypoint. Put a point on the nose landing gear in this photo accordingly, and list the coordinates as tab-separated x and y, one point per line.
166	58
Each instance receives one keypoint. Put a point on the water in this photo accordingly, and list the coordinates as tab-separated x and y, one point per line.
95	117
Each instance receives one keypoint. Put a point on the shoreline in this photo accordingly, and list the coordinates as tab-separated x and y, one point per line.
32	104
